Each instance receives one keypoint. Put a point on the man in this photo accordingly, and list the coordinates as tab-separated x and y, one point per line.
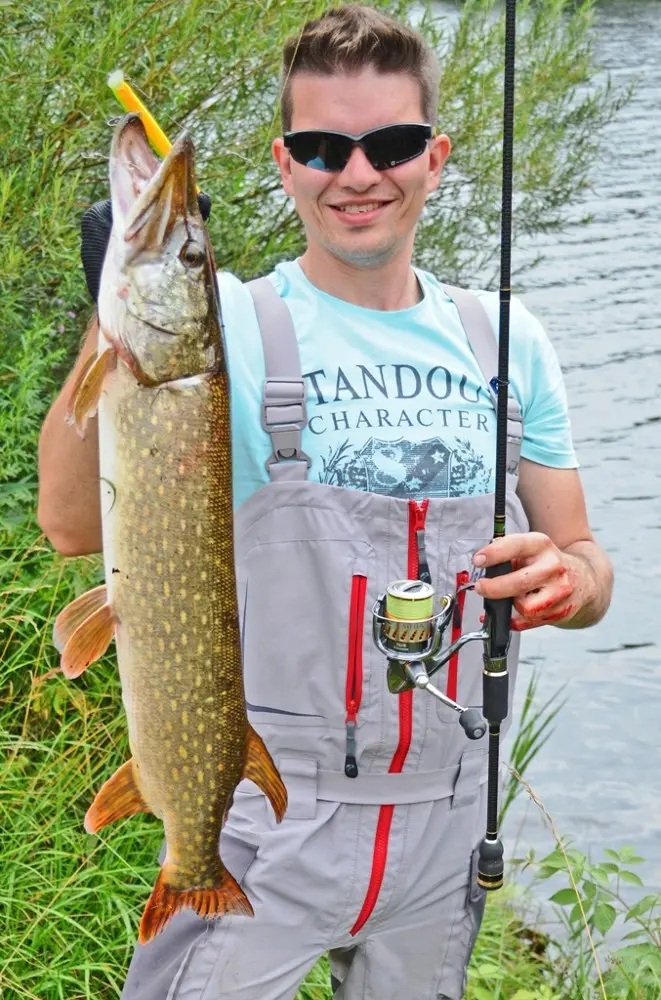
375	860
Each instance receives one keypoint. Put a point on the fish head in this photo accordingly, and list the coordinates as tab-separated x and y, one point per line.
157	299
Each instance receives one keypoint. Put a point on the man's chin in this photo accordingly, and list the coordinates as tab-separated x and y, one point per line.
364	256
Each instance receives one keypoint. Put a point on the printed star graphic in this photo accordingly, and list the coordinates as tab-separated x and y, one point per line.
436	456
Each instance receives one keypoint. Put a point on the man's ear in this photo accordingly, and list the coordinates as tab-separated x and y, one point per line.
283	159
440	149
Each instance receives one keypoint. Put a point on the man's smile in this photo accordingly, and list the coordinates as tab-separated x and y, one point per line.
359	212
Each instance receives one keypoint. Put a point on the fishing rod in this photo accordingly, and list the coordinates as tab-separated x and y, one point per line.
404	627
498	613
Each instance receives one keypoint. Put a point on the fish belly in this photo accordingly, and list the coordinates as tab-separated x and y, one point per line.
169	564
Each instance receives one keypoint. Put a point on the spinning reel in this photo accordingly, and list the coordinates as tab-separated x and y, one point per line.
410	636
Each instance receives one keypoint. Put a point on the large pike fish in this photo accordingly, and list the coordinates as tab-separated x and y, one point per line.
160	384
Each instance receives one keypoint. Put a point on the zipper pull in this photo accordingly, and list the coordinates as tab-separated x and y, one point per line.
423	565
350	765
417	535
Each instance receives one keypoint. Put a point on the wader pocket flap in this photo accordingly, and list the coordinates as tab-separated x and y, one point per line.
300	776
472	773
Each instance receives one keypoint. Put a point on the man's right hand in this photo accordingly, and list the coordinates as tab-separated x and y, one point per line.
95	228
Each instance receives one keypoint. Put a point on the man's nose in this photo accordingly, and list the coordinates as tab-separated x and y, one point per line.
359	172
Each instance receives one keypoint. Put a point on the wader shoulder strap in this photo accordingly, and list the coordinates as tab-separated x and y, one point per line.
484	346
283	397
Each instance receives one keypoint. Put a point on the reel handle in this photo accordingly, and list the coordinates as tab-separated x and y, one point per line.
473	723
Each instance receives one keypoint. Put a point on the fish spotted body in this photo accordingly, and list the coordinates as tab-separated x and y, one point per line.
161	387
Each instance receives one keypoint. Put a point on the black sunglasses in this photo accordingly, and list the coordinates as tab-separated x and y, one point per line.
384	147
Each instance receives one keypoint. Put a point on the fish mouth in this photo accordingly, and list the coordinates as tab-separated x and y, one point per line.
152	196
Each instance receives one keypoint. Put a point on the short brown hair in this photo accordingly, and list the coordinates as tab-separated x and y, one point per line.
352	37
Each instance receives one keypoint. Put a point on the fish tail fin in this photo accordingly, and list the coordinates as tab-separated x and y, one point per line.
226	896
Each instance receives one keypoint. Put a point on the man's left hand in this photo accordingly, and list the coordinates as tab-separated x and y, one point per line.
549	586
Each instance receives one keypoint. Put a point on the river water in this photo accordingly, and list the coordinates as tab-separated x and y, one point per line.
596	293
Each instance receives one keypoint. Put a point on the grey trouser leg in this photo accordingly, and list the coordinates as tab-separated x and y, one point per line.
307	882
425	959
265	957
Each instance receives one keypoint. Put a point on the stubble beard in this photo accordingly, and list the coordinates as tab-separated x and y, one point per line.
365	258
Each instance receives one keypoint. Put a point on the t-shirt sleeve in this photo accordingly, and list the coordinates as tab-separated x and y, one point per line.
547	437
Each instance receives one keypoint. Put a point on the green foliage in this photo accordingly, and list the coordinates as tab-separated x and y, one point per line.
589	907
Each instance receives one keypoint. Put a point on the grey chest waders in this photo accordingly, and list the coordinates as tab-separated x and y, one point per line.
405	628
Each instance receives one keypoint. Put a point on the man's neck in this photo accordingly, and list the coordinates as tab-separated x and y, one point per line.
391	286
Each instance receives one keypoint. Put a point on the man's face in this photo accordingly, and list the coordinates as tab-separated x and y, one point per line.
395	198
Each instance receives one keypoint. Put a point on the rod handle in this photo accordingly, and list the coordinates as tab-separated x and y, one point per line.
498	616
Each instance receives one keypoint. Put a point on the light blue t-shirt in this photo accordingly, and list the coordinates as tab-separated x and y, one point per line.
396	401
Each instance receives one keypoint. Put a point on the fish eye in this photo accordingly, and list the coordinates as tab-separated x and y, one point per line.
192	255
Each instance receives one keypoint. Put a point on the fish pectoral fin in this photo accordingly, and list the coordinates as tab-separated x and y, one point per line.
117	798
259	767
87	389
225	896
75	614
88	642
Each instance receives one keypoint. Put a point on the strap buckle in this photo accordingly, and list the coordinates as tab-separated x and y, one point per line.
283	417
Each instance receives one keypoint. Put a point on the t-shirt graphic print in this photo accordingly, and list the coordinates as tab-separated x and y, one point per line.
397	403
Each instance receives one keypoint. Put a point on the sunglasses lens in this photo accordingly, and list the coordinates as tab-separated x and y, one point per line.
396	144
384	147
320	150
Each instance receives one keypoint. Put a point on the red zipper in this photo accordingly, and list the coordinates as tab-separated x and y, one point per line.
417	514
457	618
354	689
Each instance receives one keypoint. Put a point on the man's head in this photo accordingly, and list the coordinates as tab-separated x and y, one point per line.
354	70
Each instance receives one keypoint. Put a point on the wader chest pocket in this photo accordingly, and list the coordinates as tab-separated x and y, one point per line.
302	645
